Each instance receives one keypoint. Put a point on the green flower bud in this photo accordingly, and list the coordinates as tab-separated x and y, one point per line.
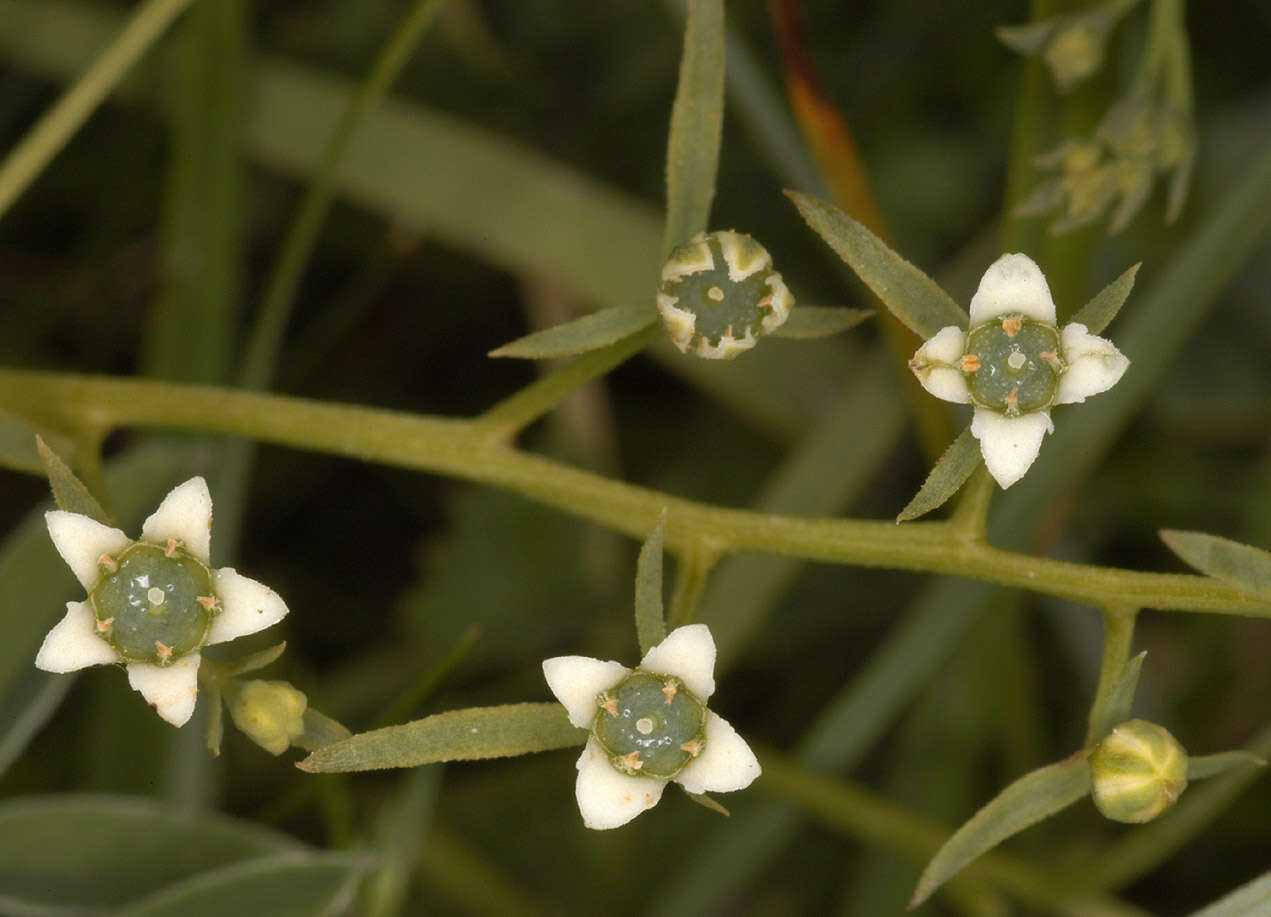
719	293
270	713
1138	771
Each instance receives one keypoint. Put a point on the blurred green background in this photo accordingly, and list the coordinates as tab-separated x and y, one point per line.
520	132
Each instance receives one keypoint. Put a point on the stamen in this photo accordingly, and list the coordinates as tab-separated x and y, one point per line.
609	705
694	747
1050	357
103	626
164	651
171	548
1012	401
631	761
670	689
970	363
1012	325
108	562
207	601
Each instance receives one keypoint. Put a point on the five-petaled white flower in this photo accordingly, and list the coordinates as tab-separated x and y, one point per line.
153	604
1013	364
648	726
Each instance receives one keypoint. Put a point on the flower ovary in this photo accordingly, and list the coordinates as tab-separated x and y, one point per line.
149	608
657	731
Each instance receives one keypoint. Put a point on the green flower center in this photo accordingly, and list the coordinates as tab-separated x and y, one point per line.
650	725
1013	364
156	606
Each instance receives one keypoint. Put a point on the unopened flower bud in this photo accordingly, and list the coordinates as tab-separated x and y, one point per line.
270	713
1138	771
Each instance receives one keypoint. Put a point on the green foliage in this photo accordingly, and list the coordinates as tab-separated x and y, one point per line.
1236	564
649	620
946	478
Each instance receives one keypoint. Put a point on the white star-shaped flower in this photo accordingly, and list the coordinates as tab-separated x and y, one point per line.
154	603
1014	364
649	726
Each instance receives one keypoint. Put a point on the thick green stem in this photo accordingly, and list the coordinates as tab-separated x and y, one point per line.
461	448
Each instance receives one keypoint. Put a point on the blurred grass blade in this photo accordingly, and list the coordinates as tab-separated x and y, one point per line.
1121	700
807	322
649	618
1249	900
297	884
1235	564
460	735
954	468
591	332
62	853
400	828
697	121
1198	768
39	145
69	492
18	451
911	295
1028	800
1103	308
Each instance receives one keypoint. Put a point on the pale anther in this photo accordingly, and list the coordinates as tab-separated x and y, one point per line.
694	747
207	601
108	562
970	363
631	761
164	651
104	625
171	547
670	689
1012	325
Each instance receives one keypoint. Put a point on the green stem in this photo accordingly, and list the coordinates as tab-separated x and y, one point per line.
285	279
461	448
694	567
1118	635
970	516
68	114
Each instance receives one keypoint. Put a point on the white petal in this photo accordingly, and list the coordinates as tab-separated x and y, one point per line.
246	606
73	643
935	365
1094	365
576	680
1013	283
81	540
170	689
725	764
608	798
1009	444
185	514
688	653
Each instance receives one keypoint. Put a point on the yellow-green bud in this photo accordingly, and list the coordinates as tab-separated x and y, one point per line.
270	713
1138	771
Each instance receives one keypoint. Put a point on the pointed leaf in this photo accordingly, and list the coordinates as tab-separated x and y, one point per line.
591	332
1249	900
1236	564
255	661
650	622
64	852
1198	768
69	492
1103	308
460	735
955	466
1121	700
706	802
1028	800
17	444
911	295
298	884
820	321
697	120
320	731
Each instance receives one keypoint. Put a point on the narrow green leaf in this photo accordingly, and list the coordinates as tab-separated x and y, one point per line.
1198	768
1027	801
460	735
64	852
707	802
820	321
591	332
1236	564
320	731
697	121
401	825
914	298
69	492
255	661
18	451
297	884
955	466
649	619
1121	700
26	704
1249	900
1103	308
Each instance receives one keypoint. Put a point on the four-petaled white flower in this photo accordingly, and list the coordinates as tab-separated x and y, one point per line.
1013	364
649	726
153	604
